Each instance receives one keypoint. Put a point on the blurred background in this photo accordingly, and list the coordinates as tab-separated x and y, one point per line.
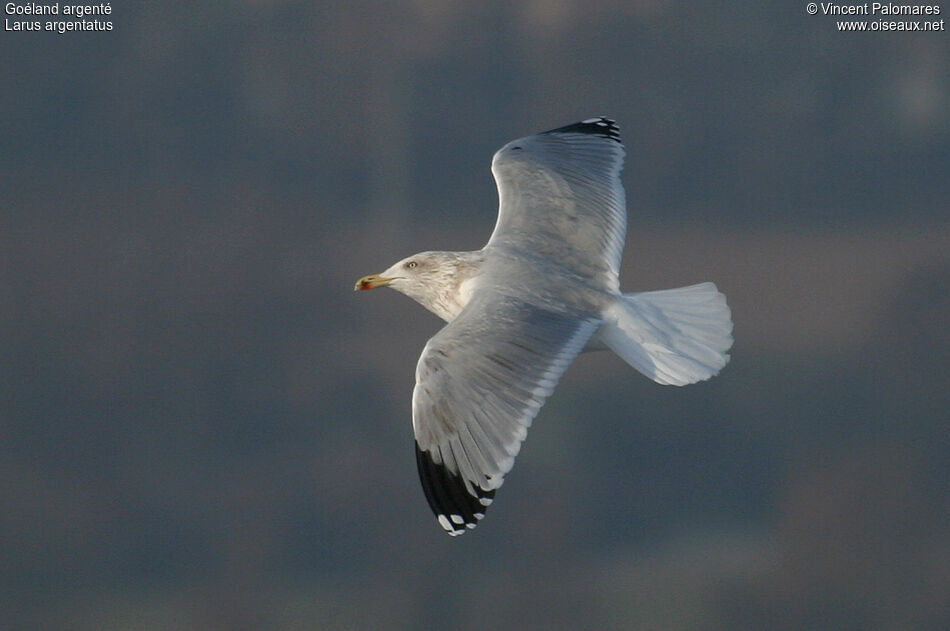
203	427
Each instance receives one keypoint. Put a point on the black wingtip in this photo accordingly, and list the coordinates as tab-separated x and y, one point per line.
600	126
455	507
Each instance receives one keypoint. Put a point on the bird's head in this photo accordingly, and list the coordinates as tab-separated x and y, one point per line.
402	276
430	278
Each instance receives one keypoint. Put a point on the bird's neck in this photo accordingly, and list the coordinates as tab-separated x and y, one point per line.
447	298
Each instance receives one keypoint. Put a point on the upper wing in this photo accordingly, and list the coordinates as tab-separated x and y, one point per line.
479	383
560	196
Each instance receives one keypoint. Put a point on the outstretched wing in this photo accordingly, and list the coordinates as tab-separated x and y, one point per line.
479	383
560	196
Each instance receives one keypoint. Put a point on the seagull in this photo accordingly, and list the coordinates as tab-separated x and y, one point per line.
542	290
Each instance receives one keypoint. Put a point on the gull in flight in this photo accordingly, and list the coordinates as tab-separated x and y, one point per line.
543	289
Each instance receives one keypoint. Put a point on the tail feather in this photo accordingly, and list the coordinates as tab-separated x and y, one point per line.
674	336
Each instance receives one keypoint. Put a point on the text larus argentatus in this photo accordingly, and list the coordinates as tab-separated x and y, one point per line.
519	310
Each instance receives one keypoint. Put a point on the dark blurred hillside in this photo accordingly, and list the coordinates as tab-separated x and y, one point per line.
739	114
203	427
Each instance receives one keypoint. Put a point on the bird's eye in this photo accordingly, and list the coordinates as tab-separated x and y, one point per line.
411	265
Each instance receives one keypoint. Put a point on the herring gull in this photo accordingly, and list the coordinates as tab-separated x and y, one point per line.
543	289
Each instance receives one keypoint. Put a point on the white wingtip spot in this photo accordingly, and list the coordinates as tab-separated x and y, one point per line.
453	529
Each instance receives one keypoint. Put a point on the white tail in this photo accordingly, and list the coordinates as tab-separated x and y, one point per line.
674	336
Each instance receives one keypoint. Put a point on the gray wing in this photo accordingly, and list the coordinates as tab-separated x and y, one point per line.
560	196
479	383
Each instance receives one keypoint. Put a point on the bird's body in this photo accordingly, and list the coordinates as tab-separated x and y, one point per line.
543	289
